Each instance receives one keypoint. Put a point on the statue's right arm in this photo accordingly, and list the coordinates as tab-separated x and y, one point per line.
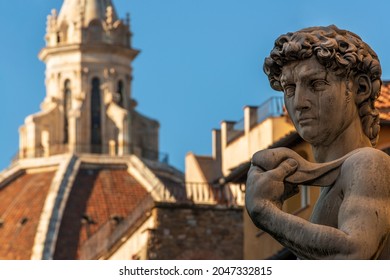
264	199
362	224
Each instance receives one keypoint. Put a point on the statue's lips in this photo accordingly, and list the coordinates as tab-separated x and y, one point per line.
305	120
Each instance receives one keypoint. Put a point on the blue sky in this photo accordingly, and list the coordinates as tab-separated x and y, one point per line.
200	61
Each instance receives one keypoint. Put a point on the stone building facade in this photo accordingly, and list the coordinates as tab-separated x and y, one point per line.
180	228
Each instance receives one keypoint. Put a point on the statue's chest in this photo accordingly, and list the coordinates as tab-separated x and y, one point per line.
327	208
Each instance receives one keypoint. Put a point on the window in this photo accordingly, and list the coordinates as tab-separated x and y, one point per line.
95	31
96	131
67	107
119	92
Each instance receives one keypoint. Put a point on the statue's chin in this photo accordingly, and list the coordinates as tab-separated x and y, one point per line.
315	136
310	135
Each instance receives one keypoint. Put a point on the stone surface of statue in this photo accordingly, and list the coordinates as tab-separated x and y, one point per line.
330	79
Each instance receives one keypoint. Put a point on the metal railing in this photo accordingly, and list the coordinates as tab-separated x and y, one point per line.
152	154
273	107
60	148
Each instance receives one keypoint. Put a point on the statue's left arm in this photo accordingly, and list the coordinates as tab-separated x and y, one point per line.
363	219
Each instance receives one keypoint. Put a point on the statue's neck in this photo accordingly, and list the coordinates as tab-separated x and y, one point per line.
350	139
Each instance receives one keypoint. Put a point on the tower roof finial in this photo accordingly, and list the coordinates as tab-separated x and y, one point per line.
89	9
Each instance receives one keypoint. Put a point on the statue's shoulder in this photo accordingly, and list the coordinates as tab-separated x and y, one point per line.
367	166
368	155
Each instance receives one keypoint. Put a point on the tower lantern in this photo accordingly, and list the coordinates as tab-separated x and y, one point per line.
88	106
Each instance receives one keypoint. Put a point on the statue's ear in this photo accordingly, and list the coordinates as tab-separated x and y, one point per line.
363	88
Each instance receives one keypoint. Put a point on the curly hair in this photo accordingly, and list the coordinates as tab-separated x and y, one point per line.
338	50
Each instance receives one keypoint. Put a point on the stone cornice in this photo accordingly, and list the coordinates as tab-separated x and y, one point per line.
46	52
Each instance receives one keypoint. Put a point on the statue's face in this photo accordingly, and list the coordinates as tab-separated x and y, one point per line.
317	101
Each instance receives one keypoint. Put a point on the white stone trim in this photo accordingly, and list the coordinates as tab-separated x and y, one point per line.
57	197
51	216
21	165
149	180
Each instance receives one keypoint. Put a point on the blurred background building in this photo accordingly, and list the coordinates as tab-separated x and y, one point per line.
89	181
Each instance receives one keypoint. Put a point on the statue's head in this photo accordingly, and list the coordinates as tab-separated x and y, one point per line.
339	51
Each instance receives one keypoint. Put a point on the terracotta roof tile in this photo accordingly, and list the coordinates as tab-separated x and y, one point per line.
96	196
383	102
21	204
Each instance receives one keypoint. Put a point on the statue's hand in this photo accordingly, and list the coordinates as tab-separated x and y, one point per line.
269	186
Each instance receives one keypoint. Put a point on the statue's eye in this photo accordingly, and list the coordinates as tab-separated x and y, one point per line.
289	90
319	84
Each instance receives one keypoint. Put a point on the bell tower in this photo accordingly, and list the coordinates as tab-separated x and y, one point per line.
88	106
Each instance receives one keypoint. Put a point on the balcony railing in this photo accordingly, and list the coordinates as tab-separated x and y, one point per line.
273	107
55	149
209	193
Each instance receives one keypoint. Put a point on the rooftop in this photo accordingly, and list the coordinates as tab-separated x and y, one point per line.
383	102
99	196
21	204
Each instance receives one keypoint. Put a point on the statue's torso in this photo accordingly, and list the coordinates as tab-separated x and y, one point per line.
327	207
326	212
